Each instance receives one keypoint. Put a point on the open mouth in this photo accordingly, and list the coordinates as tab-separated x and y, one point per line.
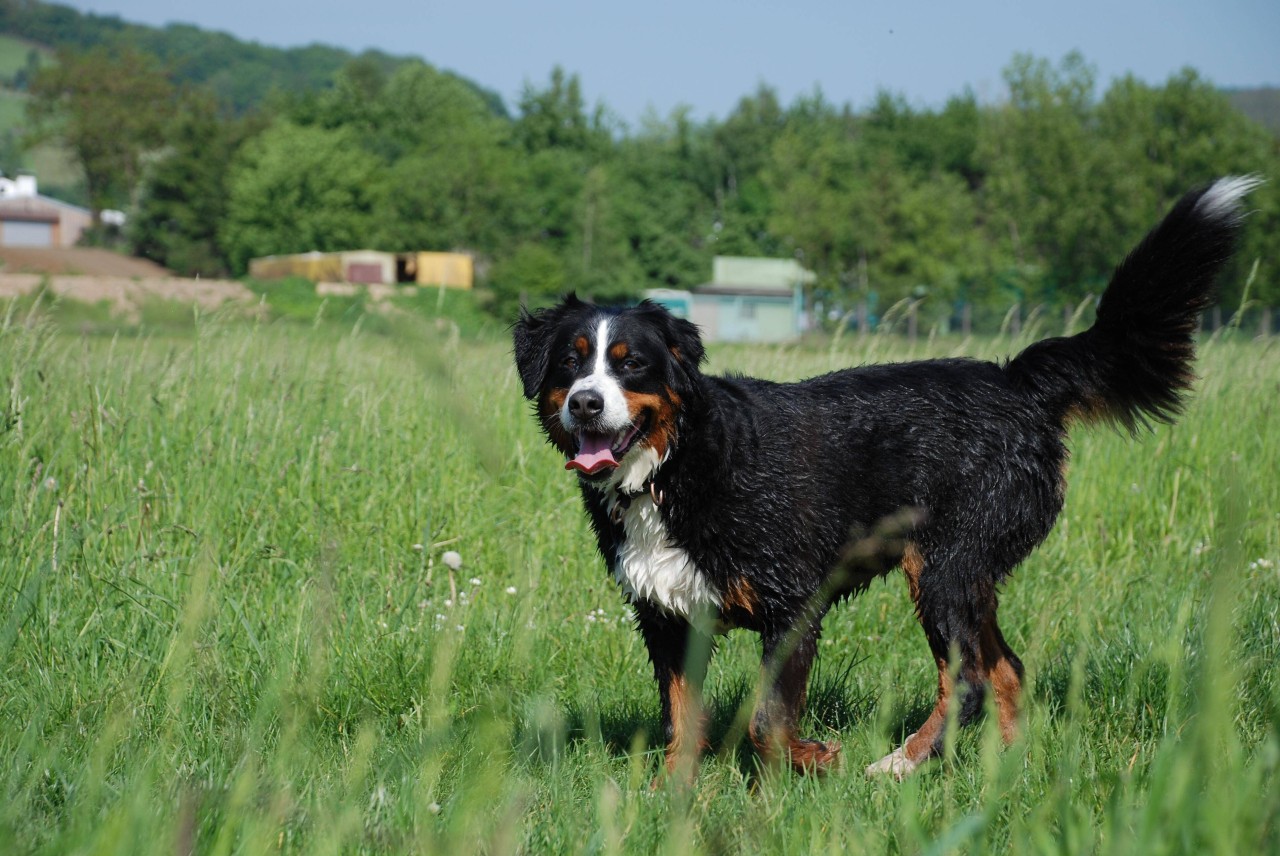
598	453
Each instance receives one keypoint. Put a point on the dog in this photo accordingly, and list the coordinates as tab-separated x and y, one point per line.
735	502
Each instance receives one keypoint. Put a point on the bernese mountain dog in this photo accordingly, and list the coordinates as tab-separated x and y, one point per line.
735	502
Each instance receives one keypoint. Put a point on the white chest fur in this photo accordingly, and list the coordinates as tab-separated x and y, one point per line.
650	568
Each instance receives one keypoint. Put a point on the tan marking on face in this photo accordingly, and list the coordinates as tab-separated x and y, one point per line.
619	350
662	428
582	346
549	413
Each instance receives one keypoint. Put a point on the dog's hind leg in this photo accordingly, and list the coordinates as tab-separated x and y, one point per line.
1004	674
788	659
960	618
680	656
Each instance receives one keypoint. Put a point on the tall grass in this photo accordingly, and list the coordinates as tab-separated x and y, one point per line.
226	625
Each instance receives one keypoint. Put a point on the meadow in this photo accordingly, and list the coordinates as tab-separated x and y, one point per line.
227	626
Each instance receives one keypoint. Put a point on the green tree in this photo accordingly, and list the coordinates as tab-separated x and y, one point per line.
295	189
109	108
532	275
560	143
452	174
816	179
182	201
741	149
872	216
1184	133
555	117
664	200
1048	182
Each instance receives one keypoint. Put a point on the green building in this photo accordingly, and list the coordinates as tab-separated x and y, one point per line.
747	300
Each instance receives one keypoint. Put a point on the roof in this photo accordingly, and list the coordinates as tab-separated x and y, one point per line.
758	274
725	289
66	206
29	210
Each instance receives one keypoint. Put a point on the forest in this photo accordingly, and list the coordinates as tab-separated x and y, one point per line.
1028	199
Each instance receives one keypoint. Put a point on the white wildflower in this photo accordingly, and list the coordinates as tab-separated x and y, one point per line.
511	589
452	558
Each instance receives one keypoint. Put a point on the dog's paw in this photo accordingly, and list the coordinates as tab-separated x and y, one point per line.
814	756
895	764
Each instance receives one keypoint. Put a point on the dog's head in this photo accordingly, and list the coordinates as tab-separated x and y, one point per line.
609	384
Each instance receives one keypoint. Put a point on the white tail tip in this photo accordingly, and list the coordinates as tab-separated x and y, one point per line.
1222	199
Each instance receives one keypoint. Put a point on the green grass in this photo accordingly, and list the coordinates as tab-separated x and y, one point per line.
13	110
13	55
225	626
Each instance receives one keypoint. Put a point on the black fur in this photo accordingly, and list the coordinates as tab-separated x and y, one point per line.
789	496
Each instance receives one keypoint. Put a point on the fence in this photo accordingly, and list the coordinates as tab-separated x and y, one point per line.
910	317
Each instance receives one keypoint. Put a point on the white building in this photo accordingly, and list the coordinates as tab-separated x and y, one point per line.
29	219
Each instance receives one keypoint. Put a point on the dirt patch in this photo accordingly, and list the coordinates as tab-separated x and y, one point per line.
90	261
126	294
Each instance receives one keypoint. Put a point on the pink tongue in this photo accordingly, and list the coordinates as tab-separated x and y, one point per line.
594	454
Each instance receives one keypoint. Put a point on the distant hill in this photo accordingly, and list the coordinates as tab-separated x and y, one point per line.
1262	105
242	73
59	175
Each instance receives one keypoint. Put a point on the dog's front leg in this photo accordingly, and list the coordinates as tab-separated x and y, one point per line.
788	658
680	654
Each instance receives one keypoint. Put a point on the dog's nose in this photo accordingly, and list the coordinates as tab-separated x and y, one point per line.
585	404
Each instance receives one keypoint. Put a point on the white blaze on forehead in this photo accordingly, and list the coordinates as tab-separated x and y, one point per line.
602	347
616	415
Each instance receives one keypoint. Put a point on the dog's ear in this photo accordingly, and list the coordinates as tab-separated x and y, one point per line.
685	343
682	338
532	336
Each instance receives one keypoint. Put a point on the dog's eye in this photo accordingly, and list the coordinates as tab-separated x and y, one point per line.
631	364
571	363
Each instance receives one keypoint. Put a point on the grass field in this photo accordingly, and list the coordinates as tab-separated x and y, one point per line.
14	53
226	626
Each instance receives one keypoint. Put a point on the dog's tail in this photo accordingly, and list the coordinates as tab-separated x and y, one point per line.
1134	364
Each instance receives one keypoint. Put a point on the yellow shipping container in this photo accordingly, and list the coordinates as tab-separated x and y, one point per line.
452	270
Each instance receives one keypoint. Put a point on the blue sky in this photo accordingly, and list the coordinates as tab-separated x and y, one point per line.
706	54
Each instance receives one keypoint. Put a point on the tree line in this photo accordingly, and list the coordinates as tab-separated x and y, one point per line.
1030	199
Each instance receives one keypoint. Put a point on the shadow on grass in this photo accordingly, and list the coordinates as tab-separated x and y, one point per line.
834	703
